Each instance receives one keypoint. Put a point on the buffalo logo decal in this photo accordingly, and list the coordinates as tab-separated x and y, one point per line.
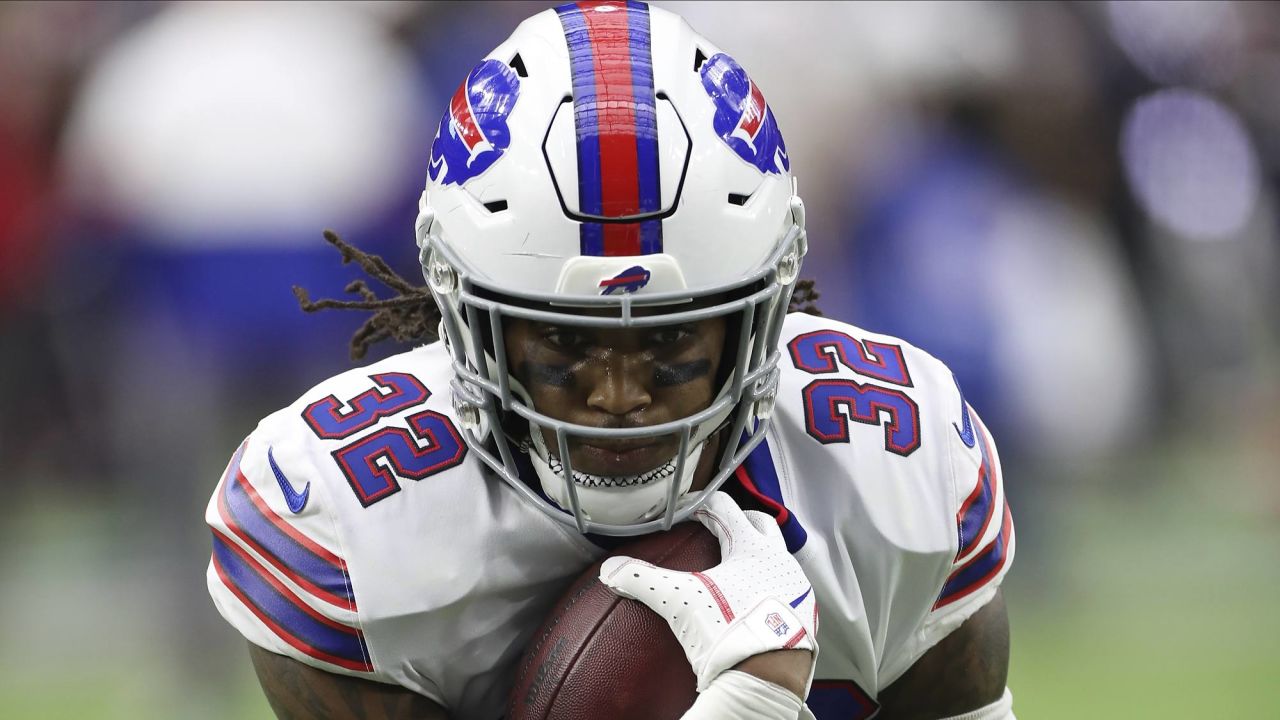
743	118
627	281
473	134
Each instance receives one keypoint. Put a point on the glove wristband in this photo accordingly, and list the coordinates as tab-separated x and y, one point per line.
771	625
739	695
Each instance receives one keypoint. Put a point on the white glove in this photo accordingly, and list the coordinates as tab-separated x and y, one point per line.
756	600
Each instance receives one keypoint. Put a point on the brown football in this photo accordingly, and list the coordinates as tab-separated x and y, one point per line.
598	655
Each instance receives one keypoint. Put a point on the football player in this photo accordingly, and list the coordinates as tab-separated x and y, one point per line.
611	238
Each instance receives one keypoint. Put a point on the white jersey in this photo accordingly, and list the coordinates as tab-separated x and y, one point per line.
354	531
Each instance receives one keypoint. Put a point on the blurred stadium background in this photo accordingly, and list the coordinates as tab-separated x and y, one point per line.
1075	205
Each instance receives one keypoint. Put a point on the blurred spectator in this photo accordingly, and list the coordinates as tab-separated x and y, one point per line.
204	151
45	48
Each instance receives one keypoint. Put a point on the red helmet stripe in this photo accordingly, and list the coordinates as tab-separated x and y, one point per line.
615	115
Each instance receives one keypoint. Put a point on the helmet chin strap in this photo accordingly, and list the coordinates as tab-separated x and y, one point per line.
617	500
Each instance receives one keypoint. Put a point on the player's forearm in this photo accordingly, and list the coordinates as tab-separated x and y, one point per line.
300	692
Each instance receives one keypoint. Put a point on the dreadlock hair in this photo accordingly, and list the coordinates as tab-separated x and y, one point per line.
412	316
803	299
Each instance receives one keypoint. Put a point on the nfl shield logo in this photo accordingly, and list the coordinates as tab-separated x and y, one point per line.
776	624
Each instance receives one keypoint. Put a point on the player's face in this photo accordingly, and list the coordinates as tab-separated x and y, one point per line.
618	378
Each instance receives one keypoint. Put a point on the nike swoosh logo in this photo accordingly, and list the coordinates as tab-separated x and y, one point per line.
294	499
965	433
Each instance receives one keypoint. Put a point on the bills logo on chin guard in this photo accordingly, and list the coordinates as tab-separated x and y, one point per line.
626	282
473	134
743	118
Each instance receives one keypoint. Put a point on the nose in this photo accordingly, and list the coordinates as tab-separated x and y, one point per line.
619	386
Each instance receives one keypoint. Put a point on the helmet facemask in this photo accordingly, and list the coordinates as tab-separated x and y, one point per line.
499	418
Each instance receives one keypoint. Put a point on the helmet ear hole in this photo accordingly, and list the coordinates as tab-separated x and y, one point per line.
738	199
698	58
517	64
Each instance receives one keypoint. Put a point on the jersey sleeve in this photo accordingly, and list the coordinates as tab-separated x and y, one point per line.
984	525
984	532
900	482
277	572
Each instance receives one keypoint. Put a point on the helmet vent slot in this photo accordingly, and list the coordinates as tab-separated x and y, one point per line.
496	206
517	64
698	58
738	199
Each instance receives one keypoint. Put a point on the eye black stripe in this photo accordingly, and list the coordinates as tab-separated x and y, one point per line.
554	375
665	375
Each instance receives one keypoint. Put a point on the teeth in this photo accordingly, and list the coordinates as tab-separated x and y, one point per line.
582	479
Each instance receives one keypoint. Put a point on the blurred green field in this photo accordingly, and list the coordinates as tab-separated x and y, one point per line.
1157	601
1165	606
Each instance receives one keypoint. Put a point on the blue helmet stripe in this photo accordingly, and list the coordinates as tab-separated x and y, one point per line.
586	119
646	110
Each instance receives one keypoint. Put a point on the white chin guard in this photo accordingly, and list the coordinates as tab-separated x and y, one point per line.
612	501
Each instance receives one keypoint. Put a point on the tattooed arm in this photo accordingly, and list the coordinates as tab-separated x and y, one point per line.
300	692
964	672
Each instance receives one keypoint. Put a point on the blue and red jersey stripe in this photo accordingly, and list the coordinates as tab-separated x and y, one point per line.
759	477
977	572
615	117
299	558
287	615
975	513
978	564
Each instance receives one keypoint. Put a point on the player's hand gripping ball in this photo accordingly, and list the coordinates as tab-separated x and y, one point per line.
599	655
602	656
756	600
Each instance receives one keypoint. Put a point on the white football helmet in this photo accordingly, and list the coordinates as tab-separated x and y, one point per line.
607	166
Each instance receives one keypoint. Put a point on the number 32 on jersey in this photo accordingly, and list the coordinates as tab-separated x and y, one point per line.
372	461
832	403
